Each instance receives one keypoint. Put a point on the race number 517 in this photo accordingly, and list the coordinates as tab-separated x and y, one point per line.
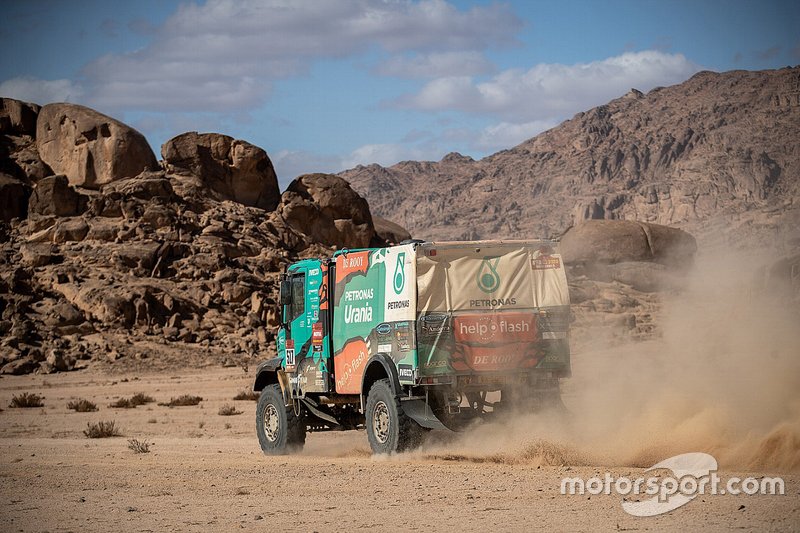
290	357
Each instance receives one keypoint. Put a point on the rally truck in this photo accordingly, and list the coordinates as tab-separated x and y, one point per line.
410	338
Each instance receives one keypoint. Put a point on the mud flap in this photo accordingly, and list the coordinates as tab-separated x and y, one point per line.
421	413
283	381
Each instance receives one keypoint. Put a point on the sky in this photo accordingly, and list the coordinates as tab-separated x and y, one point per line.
325	85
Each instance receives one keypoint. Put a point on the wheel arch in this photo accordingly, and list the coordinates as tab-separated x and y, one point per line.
267	373
380	366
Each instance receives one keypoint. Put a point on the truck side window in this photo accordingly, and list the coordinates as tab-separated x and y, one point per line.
298	296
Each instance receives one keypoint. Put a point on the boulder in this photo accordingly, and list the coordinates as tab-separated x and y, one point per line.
53	196
109	305
13	198
70	230
18	118
38	254
20	159
235	169
325	208
29	163
23	365
644	276
389	231
145	186
617	241
90	148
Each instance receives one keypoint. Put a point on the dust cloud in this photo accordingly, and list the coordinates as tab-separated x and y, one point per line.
722	378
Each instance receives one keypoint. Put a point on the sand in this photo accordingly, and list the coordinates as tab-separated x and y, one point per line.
205	472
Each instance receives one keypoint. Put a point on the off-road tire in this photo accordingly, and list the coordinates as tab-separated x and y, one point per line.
389	429
279	430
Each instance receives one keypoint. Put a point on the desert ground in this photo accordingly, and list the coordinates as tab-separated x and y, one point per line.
206	472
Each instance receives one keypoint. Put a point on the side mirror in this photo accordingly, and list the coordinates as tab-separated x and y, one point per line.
286	292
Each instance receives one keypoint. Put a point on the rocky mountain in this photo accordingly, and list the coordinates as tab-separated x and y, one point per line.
110	256
716	155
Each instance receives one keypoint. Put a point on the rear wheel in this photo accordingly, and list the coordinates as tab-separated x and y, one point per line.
279	429
389	430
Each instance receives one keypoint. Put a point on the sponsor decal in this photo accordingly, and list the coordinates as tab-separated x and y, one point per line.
545	262
349	366
356	315
494	302
358	294
299	379
509	327
350	264
385	348
400	304
383	329
399	280
434	323
495	342
488	278
405	372
317	335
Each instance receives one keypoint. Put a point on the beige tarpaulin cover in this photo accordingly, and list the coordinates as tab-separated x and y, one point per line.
489	275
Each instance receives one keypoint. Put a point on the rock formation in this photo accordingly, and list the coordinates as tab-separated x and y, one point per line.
325	208
105	257
234	169
88	147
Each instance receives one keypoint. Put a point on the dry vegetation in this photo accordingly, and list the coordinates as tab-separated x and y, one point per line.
102	430
247	395
181	401
229	410
137	399
82	406
27	399
138	446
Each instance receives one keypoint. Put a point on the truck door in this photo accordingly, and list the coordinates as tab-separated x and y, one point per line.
295	319
306	337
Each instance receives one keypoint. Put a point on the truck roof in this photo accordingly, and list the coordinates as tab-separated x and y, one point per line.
460	244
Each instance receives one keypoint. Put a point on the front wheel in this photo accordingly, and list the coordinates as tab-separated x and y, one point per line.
279	430
389	430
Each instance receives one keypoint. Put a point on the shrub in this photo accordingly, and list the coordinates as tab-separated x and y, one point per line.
228	410
27	399
247	395
122	403
102	430
180	401
137	399
82	406
141	398
138	446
